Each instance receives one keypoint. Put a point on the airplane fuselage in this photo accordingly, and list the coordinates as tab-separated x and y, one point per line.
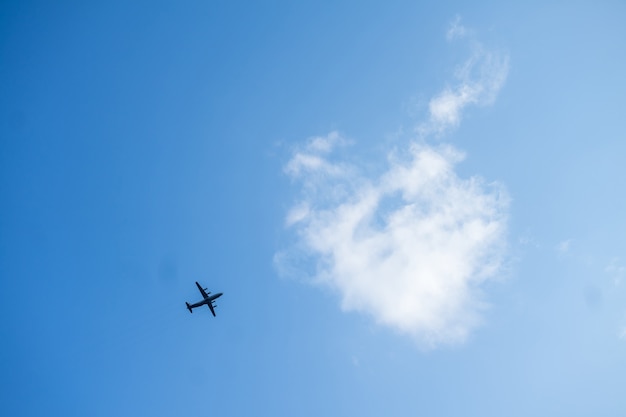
207	300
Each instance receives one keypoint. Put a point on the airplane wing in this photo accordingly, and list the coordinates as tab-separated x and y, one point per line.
211	308
204	294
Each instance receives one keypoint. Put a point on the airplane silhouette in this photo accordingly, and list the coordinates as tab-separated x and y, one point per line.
208	300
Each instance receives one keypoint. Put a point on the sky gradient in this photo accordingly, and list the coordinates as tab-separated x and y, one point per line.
410	209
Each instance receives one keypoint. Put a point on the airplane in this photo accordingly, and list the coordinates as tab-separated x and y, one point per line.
208	300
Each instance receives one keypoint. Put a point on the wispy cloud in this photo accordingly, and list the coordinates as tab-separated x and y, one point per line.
477	81
456	29
563	247
410	246
311	161
616	271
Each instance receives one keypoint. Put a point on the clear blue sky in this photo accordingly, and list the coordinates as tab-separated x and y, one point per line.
411	210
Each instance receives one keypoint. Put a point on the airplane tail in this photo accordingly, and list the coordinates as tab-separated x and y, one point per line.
189	307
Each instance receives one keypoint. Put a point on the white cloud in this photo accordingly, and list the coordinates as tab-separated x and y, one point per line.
412	246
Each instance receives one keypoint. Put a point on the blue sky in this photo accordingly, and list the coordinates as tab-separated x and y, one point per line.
410	209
